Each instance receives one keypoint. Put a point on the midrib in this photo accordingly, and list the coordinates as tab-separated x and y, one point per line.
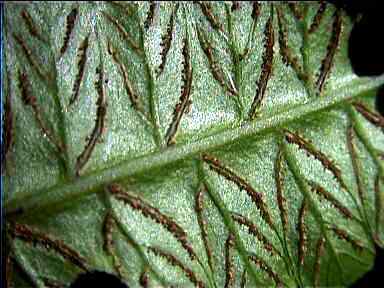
88	184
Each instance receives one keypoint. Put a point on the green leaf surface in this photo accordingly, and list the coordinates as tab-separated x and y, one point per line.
203	144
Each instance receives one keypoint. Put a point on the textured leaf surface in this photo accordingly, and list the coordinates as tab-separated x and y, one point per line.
206	144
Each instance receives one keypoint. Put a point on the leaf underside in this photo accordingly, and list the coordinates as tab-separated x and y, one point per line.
203	144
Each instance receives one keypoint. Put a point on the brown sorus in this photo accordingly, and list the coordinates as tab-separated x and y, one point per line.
235	6
30	100
150	15
109	226
30	57
70	23
229	267
329	197
302	248
266	68
32	236
184	101
266	268
151	212
99	127
252	229
144	279
32	28
375	118
285	51
318	17
296	11
166	39
123	33
207	12
304	144
343	235
214	66
256	10
133	96
256	197
327	63
82	58
177	263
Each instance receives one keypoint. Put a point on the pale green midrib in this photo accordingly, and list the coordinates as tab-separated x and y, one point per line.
91	183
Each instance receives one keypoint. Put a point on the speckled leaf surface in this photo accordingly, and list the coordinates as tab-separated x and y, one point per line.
201	144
